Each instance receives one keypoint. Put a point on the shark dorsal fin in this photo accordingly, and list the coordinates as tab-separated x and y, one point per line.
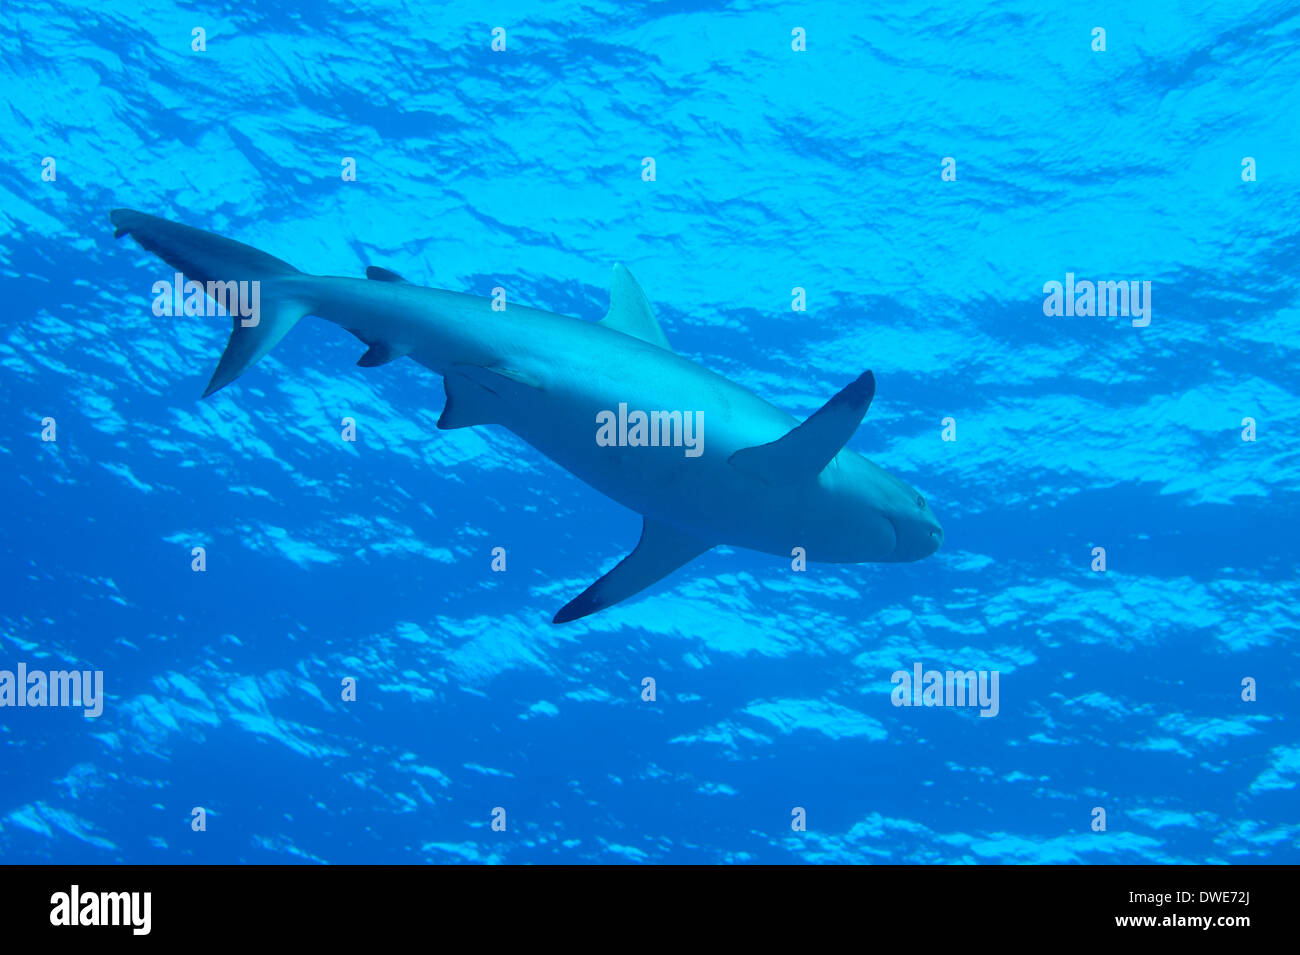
384	275
630	312
804	451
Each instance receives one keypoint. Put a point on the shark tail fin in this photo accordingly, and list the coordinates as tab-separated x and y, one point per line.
230	273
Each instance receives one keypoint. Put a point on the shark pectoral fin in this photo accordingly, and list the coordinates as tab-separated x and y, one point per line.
662	550
630	312
381	353
468	404
805	450
383	275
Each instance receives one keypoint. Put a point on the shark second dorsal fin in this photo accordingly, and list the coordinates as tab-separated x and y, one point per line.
630	312
804	451
384	275
662	550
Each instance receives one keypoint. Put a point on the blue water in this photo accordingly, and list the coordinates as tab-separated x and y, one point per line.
821	169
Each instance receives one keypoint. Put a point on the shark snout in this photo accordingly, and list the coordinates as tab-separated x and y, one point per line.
916	541
916	530
933	539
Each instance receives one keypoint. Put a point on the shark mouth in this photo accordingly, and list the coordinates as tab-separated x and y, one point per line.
893	527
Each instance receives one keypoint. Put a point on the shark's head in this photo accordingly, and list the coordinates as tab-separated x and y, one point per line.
874	517
915	526
912	531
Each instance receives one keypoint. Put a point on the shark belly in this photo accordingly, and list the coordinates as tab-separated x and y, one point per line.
547	377
697	490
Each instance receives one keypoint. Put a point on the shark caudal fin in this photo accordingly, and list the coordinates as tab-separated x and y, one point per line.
230	273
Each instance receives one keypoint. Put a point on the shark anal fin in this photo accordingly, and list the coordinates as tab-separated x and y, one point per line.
383	275
630	312
468	404
662	550
804	451
381	353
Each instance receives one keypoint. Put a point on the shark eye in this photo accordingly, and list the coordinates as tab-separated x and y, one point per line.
920	502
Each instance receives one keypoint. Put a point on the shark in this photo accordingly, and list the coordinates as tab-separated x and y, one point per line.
755	477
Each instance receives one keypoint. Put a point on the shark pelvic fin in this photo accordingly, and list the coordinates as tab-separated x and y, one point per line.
804	451
383	275
630	312
475	393
381	353
468	404
662	550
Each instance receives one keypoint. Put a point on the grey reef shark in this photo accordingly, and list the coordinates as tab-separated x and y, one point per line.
761	480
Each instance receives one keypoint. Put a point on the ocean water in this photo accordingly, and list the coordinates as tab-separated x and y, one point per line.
1168	158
